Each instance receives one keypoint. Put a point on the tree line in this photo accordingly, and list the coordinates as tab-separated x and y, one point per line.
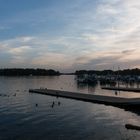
27	72
124	72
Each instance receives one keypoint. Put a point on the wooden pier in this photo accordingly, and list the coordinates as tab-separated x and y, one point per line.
122	89
108	100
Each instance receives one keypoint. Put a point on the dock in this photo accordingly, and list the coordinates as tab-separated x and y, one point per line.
122	89
107	100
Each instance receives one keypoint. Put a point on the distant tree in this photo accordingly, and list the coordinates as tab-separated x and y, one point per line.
132	72
28	72
78	72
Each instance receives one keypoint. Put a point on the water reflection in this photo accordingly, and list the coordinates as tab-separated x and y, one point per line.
54	104
33	116
96	89
91	88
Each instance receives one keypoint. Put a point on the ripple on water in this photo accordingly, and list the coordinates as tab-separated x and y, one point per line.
21	118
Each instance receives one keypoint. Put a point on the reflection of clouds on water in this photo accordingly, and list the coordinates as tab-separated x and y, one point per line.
19	114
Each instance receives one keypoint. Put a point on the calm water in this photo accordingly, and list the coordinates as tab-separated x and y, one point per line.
26	116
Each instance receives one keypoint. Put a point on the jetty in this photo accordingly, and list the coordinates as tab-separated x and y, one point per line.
107	100
122	89
131	126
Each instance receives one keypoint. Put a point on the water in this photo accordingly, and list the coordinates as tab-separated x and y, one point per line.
27	116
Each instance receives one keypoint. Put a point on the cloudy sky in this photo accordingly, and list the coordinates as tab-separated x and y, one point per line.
67	35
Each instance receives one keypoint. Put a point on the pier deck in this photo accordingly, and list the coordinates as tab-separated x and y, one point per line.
108	100
122	89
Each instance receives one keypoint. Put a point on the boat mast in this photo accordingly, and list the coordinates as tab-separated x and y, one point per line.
118	77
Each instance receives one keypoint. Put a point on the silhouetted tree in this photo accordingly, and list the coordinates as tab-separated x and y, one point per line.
124	72
27	72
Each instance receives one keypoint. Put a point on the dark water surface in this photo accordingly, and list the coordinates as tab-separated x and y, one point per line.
26	116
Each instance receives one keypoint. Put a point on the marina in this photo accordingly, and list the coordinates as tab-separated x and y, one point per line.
69	70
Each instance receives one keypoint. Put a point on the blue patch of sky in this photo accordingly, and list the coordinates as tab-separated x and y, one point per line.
12	7
56	48
54	17
4	59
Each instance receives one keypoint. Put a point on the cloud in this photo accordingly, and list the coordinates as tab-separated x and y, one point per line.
38	52
128	51
3	47
54	60
16	46
19	61
25	39
19	50
130	56
107	10
84	34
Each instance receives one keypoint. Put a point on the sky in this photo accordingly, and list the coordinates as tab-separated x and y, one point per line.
69	35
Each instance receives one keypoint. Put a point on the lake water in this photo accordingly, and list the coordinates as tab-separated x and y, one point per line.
29	116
